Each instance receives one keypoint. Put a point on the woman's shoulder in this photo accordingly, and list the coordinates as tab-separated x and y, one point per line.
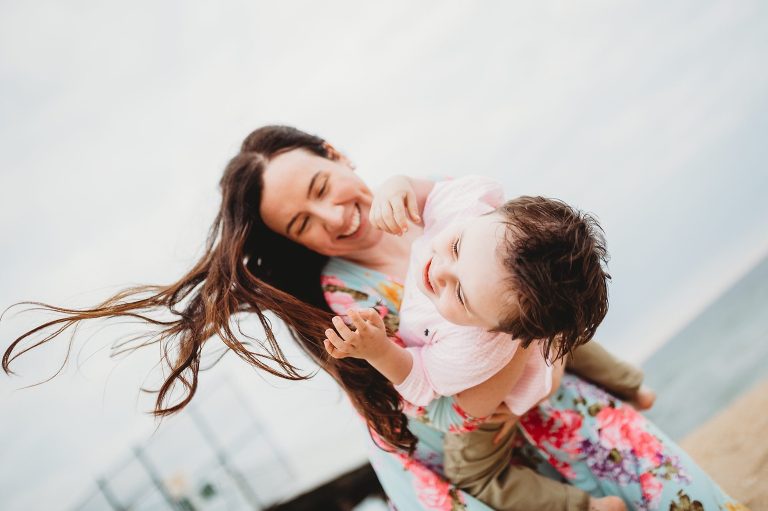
342	273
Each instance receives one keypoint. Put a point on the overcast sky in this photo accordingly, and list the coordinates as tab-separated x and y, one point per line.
116	120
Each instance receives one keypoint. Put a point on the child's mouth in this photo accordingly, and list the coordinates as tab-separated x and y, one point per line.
427	281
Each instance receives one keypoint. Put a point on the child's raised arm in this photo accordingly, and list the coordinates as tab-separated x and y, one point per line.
396	201
370	342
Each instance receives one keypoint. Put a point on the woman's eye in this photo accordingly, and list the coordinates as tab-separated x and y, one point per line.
323	189
303	225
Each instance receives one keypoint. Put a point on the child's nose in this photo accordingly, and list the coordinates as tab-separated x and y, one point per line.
440	273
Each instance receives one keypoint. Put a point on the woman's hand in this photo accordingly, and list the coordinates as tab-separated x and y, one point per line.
503	415
394	203
368	341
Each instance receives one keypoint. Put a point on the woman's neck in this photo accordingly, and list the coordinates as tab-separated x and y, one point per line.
390	255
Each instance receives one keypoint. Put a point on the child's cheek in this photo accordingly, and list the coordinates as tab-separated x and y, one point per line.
448	312
443	310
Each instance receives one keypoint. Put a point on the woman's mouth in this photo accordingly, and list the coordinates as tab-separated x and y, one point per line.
427	282
354	225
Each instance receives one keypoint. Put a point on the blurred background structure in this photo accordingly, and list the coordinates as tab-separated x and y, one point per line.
116	121
213	456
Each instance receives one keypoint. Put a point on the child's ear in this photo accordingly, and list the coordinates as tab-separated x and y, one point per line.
333	154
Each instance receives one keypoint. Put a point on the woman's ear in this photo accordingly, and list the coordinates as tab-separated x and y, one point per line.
333	154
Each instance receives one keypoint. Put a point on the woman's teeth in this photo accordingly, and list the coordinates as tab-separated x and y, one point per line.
355	224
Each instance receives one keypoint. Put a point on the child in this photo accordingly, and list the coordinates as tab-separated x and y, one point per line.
478	292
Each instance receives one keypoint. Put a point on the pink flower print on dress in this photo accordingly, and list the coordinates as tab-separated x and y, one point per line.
414	411
651	488
336	296
382	310
331	280
622	429
561	430
434	492
468	422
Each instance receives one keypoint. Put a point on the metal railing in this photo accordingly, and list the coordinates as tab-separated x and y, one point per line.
214	456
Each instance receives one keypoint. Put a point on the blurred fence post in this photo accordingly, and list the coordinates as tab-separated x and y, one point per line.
155	478
237	477
108	495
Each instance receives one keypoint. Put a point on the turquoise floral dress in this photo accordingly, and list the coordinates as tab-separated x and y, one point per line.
581	435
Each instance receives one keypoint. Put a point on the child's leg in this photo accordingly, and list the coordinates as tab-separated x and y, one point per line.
475	464
594	363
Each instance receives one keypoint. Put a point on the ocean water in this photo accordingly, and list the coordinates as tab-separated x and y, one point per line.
716	357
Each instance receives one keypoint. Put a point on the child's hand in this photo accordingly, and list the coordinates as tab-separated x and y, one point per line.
368	342
393	204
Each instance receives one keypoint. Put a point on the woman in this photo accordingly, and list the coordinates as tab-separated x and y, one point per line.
289	197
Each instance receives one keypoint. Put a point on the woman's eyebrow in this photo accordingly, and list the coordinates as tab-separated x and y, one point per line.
309	193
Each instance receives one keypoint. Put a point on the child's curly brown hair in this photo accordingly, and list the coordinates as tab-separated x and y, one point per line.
556	258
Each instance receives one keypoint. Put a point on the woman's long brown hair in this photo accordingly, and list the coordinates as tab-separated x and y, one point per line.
248	268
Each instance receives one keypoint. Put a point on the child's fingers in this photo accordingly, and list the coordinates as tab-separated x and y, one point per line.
377	217
373	215
373	317
335	340
388	219
333	351
398	213
343	329
382	212
413	206
357	319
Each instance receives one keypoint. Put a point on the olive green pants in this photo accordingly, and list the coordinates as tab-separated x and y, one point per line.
473	463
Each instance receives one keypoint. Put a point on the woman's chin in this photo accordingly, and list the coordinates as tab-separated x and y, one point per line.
363	241
370	237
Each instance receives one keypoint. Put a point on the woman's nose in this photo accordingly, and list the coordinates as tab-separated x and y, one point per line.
332	216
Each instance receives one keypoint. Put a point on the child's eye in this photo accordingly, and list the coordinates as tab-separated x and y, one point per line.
455	247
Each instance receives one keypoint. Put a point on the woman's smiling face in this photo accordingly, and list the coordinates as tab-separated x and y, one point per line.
319	203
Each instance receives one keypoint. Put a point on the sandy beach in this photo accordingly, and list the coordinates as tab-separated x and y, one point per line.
733	448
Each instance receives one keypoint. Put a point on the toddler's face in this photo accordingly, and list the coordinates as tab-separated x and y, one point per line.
464	276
